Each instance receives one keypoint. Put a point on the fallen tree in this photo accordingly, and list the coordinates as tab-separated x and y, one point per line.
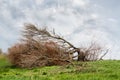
41	47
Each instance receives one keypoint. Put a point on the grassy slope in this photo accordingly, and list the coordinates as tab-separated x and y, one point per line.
99	70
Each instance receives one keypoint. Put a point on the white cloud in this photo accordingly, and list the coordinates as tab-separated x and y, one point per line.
77	20
39	2
80	3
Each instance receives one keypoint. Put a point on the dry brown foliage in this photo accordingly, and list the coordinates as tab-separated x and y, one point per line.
38	48
26	55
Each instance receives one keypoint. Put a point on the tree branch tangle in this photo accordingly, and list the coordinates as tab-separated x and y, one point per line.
41	47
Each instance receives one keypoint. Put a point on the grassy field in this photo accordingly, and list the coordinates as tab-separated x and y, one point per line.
99	70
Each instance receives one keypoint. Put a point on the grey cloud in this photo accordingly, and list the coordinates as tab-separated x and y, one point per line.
77	21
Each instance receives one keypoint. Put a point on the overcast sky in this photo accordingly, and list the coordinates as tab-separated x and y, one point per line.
79	21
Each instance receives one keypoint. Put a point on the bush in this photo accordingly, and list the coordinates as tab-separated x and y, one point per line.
29	55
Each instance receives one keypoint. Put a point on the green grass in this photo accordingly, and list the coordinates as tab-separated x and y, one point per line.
99	70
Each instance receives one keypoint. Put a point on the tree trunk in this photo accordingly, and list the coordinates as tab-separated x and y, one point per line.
81	56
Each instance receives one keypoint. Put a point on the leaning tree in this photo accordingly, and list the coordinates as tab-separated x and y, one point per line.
41	47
